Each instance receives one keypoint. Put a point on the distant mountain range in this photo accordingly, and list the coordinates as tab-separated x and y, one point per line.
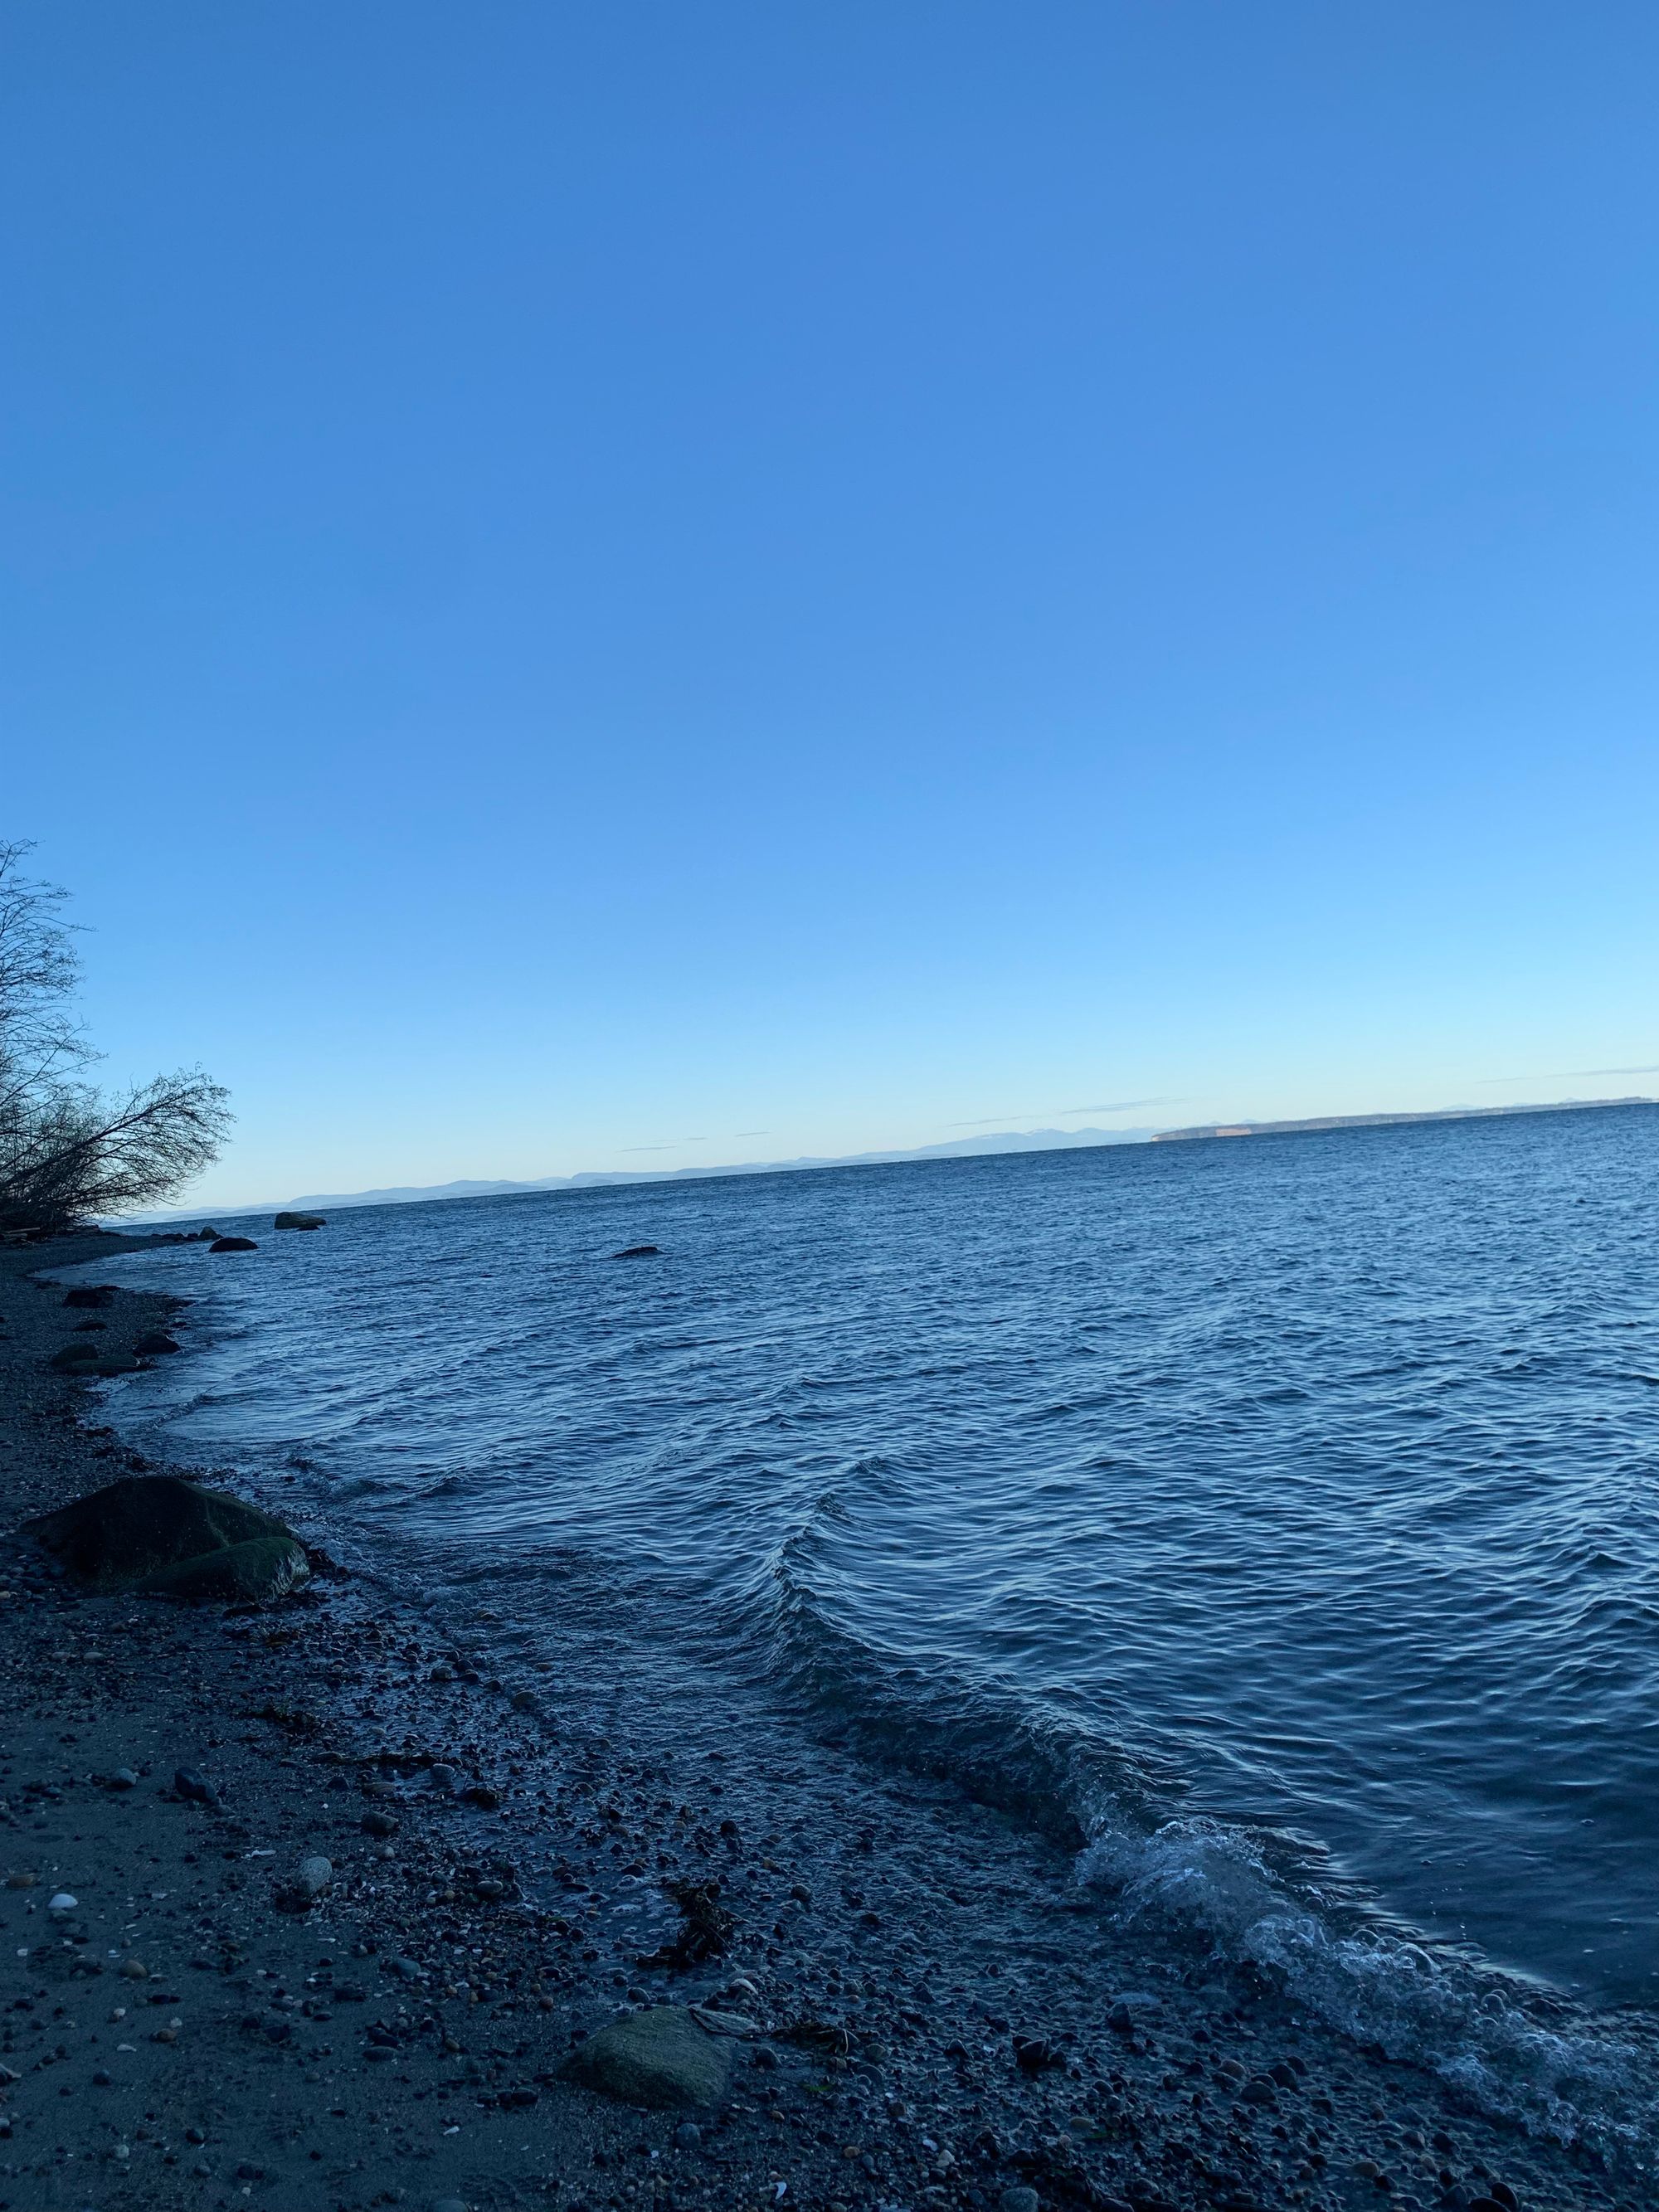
1010	1140
1027	1140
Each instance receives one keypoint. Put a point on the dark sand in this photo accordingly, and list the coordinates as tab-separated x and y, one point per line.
174	2039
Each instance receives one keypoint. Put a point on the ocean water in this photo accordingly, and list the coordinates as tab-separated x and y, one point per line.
1276	1520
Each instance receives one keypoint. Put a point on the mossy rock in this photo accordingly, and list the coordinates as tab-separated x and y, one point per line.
137	1533
658	2058
255	1573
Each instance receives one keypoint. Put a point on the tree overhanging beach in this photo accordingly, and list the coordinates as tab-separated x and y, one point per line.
71	1151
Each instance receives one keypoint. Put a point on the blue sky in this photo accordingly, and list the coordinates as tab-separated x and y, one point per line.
798	577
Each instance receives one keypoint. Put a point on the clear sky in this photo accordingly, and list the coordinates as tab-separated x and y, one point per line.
774	578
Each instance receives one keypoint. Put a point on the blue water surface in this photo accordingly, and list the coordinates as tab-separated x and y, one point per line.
1303	1486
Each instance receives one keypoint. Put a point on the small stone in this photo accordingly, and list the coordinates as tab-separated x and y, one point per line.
19	1881
124	1778
314	1875
190	1786
687	2135
308	1885
658	2056
101	2079
135	1970
1020	2200
63	1902
378	1824
448	2204
443	1779
1260	2090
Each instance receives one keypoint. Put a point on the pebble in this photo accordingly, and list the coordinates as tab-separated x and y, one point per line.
1020	2200
687	2135
63	1902
378	1824
314	1876
124	1778
448	2204
190	1786
443	1778
135	1970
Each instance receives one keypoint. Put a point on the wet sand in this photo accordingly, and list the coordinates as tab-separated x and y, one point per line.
923	2007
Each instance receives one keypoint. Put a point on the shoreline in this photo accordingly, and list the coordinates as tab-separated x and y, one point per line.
924	2007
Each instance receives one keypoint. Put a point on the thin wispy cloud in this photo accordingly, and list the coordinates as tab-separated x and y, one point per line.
1060	1113
1569	1075
673	1144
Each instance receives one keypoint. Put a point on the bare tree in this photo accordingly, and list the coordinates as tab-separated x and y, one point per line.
67	1149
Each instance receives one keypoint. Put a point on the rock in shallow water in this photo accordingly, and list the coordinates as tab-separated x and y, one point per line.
658	2058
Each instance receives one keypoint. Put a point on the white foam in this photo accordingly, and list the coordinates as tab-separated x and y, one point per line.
1570	2077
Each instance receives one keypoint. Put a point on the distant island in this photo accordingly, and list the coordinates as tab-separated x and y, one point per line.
1386	1121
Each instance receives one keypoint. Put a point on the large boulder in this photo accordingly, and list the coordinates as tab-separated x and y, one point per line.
158	1532
233	1244
90	1294
659	2057
299	1221
257	1572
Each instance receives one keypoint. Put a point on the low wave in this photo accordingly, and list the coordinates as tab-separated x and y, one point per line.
1512	2049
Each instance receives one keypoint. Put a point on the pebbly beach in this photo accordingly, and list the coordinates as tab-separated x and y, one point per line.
313	1903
